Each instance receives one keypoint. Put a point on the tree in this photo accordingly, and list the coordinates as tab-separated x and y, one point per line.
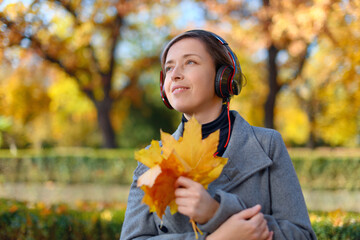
284	47
23	100
79	38
293	42
288	27
328	87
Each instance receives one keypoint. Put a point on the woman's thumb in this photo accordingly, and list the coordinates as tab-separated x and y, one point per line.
249	212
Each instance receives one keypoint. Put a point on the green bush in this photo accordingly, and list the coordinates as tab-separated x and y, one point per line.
320	169
96	221
68	166
336	225
58	222
330	169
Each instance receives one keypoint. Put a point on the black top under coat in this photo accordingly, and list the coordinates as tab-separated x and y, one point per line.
221	123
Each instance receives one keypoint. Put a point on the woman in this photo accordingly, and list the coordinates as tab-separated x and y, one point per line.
257	195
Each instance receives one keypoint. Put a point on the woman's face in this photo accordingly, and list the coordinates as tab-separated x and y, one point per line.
190	75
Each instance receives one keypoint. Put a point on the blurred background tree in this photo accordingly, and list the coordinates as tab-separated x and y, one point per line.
75	46
295	45
73	71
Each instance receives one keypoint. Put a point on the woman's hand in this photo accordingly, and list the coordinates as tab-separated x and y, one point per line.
194	201
248	224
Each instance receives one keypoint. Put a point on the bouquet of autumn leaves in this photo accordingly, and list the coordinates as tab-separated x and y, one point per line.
190	156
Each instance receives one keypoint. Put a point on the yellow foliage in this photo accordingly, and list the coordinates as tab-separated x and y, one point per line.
62	25
14	10
66	96
338	125
72	112
190	156
43	36
291	120
253	95
82	35
333	82
24	97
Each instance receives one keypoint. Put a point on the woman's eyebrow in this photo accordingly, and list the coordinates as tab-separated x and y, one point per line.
191	54
184	56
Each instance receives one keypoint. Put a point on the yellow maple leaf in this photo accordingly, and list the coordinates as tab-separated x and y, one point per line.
150	157
190	156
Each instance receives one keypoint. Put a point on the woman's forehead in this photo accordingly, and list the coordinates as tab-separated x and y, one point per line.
187	47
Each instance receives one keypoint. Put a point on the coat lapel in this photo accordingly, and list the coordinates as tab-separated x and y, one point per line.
246	155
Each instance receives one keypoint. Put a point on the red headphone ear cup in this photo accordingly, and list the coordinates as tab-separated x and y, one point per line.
162	91
223	81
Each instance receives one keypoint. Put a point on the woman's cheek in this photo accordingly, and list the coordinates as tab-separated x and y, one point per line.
167	88
168	93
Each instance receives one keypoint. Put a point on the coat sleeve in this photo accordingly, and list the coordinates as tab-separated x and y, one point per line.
139	223
289	217
229	204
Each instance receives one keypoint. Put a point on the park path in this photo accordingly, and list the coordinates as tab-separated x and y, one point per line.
50	193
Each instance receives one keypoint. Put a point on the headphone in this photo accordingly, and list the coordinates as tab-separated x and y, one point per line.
228	78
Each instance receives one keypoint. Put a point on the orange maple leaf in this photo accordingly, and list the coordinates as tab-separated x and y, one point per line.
190	156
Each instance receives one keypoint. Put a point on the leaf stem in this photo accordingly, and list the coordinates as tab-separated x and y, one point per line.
196	229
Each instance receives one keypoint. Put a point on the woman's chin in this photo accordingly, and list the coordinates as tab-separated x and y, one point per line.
181	108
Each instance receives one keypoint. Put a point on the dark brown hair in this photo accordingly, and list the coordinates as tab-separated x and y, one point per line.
216	50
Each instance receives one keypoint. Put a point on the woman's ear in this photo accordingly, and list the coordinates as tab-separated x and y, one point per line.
162	91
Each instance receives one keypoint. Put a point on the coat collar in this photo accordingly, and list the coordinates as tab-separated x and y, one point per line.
245	154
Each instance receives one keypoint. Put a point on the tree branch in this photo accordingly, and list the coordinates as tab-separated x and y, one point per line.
5	21
114	40
303	59
37	46
72	74
134	75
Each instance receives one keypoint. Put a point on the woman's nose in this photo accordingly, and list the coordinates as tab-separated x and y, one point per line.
177	73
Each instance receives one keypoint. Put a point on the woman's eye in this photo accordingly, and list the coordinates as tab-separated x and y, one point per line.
167	69
190	62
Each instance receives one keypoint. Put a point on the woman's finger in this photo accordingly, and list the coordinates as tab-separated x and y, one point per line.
271	234
261	225
249	212
188	202
264	230
181	192
184	182
257	219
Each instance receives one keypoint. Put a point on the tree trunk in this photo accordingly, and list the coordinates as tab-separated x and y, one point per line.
273	87
103	113
311	143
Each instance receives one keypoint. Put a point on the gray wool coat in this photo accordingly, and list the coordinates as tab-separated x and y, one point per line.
259	171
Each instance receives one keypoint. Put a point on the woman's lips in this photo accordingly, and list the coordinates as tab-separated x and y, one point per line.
178	89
